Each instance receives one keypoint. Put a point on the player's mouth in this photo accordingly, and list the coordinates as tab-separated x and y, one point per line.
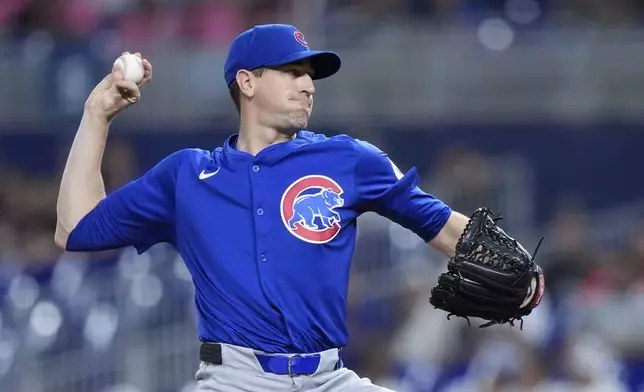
306	102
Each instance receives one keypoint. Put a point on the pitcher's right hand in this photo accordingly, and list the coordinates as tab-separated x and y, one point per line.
113	93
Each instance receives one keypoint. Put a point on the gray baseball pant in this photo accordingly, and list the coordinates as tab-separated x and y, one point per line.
240	371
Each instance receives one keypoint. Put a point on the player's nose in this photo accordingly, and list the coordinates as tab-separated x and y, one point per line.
306	85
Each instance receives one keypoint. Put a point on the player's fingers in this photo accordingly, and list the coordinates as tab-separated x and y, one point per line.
110	79
137	54
128	91
117	74
147	73
114	77
124	53
126	85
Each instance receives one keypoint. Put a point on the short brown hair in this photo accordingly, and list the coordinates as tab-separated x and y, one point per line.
235	94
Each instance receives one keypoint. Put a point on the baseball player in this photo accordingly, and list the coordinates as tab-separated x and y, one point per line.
266	223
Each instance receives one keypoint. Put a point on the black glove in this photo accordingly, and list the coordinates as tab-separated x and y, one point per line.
491	277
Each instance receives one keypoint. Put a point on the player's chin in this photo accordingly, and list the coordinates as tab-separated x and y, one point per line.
299	119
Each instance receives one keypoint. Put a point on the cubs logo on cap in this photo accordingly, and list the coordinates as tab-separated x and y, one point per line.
308	209
273	45
299	37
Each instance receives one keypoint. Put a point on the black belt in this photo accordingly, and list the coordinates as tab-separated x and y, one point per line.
293	365
211	352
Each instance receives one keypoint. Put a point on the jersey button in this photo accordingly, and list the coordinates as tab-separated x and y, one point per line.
255	168
260	211
263	258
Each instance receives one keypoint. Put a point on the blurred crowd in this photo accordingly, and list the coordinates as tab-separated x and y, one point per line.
28	205
215	22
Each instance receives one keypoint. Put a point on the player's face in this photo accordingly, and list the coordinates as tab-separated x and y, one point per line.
285	96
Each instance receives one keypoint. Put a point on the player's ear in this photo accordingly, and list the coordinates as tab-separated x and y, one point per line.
245	83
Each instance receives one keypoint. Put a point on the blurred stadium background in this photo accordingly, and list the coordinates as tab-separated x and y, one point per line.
531	107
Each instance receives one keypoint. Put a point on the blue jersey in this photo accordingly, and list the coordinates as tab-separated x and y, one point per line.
269	238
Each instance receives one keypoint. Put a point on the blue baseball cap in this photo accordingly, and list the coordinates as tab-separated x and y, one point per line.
274	45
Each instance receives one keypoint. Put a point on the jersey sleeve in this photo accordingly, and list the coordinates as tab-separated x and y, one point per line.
139	214
382	188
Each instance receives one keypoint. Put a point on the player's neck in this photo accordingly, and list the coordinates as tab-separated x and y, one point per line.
254	139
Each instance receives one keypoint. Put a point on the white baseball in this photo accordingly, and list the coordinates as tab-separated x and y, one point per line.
131	66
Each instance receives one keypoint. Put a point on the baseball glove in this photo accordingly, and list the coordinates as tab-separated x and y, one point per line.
491	276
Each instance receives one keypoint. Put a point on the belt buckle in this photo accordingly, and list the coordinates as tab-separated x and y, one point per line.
290	365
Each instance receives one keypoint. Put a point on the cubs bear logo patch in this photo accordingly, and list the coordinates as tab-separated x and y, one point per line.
308	209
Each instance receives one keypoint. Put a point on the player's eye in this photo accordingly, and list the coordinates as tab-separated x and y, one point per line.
295	72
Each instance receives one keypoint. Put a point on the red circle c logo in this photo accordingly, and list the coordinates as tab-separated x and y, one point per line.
308	209
299	37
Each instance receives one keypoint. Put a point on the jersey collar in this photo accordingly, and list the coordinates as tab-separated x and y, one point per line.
268	155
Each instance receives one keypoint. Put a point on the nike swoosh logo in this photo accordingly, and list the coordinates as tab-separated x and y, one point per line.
203	175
